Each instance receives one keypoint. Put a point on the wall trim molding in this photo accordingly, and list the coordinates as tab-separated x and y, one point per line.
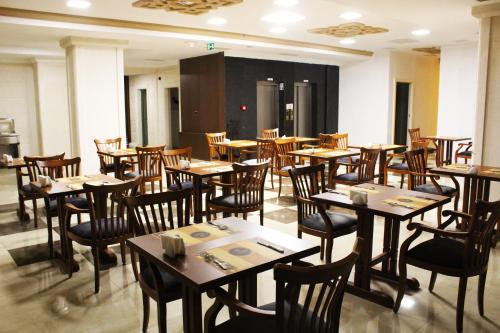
88	41
486	10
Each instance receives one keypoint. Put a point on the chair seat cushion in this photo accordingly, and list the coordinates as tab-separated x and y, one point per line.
352	159
110	167
398	166
289	167
339	221
187	185
465	153
83	230
225	201
78	202
430	188
131	175
26	188
431	150
170	283
349	177
439	251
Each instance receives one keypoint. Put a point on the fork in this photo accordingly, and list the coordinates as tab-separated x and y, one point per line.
393	204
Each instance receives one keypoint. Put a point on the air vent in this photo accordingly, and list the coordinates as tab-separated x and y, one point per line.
403	41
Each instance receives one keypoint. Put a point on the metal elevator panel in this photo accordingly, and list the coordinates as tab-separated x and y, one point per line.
267	105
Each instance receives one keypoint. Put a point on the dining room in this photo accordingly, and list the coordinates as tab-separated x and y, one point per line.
241	166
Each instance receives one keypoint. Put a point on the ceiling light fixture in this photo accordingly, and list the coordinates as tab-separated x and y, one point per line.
217	21
277	30
283	17
350	16
421	32
286	3
347	41
80	4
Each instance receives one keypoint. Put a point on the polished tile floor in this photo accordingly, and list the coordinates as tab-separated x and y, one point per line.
36	297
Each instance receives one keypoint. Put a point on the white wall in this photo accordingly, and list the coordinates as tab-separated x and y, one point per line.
457	90
17	100
364	100
157	104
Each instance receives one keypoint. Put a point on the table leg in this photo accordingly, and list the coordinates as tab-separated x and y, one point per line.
382	160
332	172
226	178
63	254
191	310
21	211
116	164
198	198
247	290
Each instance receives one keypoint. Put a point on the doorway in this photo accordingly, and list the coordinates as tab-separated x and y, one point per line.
267	105
173	95
303	109
402	112
144	115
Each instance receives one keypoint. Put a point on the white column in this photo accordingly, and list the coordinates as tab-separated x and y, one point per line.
52	106
96	94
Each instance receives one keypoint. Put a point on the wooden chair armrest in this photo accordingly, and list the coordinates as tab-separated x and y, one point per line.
305	200
436	231
233	304
348	164
456	213
75	210
213	182
301	263
305	146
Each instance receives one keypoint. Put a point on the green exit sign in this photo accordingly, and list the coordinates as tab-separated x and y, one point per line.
210	46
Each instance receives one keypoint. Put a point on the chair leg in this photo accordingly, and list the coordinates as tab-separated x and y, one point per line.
95	254
50	239
322	249
69	243
433	281
422	217
79	218
272	178
279	190
480	293
261	216
145	312
402	180
35	213
162	315
245	216
328	250
133	259
299	233
462	287
440	209
402	285
122	251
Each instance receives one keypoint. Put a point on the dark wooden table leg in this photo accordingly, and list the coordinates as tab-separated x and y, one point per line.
388	223
226	178
198	198
21	211
191	310
247	290
116	164
382	160
63	254
332	171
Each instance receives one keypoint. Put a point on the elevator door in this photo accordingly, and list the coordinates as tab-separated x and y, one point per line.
267	105
303	109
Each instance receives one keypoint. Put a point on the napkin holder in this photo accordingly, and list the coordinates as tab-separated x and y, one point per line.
7	158
173	245
44	180
358	197
184	164
227	140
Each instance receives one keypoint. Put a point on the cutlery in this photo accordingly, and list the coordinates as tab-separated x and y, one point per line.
217	225
425	198
336	192
211	258
271	246
400	205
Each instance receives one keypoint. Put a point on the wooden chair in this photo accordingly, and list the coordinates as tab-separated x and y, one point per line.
247	192
60	169
418	179
25	191
150	166
308	299
365	169
313	219
107	224
401	167
341	141
147	215
106	162
453	253
271	133
265	153
217	153
415	136
464	152
284	162
325	141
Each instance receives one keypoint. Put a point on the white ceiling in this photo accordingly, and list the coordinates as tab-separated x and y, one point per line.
450	22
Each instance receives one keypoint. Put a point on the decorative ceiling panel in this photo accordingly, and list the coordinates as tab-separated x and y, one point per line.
429	50
193	7
349	30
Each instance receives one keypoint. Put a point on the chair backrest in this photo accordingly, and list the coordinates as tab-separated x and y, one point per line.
248	183
60	168
485	216
367	161
103	144
417	163
307	181
150	162
341	140
320	287
270	133
107	222
414	134
172	157
265	150
215	151
421	144
147	212
326	141
281	147
33	170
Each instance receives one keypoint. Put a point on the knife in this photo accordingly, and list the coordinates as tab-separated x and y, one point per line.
272	247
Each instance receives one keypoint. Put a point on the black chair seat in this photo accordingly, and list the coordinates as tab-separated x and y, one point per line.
465	153
349	177
430	188
83	230
399	166
78	202
352	159
225	201
110	167
170	283
131	175
439	251
339	221
26	188
289	167
431	150
187	185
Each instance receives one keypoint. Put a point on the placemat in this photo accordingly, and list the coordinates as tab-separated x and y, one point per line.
199	233
333	153
220	169
370	190
243	254
495	171
202	164
456	167
72	180
409	202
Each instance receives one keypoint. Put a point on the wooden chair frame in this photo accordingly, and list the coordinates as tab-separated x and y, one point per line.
101	145
283	161
365	167
150	166
216	152
463	151
270	133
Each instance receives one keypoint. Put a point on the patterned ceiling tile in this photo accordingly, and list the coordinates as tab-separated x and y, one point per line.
349	30
193	7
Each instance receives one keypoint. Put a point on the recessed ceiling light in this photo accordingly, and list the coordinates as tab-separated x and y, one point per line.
278	30
217	21
350	15
80	4
283	17
286	3
421	32
347	41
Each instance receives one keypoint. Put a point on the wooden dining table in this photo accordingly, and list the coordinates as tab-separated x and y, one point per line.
18	164
384	148
444	144
117	156
237	247
395	205
203	170
59	190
